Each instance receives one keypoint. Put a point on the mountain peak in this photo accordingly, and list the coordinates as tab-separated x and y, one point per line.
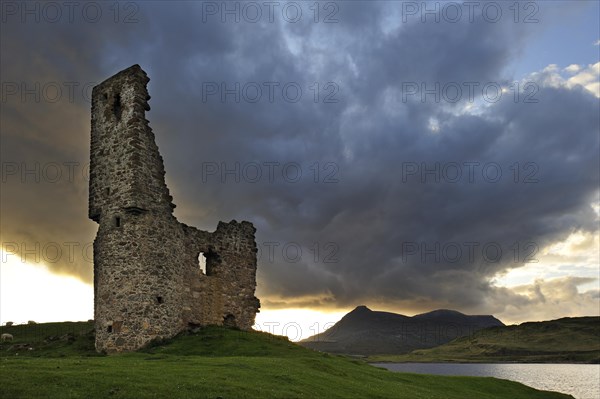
442	312
366	332
361	308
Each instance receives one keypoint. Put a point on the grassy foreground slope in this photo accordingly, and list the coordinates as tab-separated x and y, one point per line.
566	340
214	363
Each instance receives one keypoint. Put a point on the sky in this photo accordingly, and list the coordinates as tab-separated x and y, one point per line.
406	156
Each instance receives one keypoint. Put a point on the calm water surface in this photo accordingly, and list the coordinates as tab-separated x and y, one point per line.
580	380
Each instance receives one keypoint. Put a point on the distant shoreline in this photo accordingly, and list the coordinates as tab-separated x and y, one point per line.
483	361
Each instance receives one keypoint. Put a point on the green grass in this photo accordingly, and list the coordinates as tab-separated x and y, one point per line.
215	363
567	340
50	339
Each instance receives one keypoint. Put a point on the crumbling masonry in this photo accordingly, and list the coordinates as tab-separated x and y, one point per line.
148	283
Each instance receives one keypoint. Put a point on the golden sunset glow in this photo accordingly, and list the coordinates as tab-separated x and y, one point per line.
296	324
31	292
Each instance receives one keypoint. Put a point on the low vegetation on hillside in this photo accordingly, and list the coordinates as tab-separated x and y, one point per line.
57	360
566	340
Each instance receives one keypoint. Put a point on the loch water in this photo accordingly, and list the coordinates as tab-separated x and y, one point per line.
582	381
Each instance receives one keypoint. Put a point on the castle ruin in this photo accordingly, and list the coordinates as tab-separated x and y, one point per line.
148	282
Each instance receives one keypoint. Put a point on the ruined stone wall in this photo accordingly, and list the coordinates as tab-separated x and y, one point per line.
227	288
126	169
147	280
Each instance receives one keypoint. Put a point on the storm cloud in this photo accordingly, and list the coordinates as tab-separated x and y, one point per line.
382	160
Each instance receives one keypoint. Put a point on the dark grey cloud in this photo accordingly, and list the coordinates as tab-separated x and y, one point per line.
353	212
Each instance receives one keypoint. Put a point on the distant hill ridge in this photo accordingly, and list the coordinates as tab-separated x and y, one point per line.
565	340
367	332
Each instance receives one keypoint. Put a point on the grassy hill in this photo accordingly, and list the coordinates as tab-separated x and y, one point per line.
214	363
566	340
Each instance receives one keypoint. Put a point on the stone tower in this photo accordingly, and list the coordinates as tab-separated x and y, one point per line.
148	282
